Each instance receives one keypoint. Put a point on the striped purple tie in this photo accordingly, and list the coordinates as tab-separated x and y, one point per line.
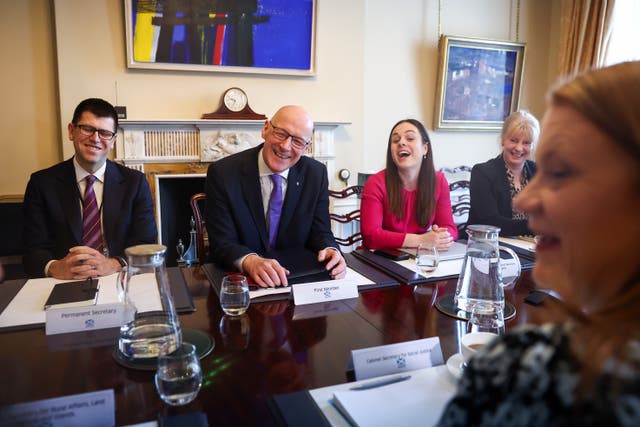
91	227
275	209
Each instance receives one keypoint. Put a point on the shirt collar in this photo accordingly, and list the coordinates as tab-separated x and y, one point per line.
264	170
81	174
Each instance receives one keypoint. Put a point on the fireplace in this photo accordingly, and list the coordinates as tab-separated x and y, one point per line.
175	154
174	213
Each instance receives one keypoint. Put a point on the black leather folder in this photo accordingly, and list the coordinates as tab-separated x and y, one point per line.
392	268
180	291
302	264
377	277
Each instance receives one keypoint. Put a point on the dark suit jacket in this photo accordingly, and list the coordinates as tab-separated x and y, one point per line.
53	214
235	217
491	199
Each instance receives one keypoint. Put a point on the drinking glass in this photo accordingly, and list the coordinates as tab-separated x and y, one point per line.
179	375
426	258
234	295
482	321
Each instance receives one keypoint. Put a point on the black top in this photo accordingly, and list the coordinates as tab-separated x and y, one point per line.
529	378
491	197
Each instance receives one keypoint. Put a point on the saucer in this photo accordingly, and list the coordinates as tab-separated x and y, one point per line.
454	364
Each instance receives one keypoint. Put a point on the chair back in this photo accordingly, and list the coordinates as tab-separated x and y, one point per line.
202	238
346	192
349	221
459	179
11	243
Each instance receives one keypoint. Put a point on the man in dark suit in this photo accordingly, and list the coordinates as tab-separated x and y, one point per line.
239	202
54	200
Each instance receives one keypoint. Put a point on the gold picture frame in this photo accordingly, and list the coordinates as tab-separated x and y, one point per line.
479	83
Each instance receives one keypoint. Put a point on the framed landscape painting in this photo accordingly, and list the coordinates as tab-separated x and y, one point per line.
243	36
478	83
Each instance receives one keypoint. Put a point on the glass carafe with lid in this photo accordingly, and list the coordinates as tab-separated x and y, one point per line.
481	282
151	325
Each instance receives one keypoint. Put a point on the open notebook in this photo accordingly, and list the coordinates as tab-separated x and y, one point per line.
418	401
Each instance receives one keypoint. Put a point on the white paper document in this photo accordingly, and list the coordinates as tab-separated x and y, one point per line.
456	251
418	401
27	307
444	269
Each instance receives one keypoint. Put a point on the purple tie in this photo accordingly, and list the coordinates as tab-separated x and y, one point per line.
91	227
275	208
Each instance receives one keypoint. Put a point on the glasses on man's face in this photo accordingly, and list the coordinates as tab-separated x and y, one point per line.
86	130
282	135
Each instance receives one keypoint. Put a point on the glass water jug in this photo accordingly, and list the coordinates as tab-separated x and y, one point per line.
151	326
480	287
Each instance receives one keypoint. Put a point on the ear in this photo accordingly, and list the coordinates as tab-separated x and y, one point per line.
264	130
70	128
425	149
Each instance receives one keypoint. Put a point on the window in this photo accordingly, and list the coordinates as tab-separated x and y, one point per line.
625	34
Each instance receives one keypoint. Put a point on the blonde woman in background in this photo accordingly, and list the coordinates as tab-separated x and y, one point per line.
495	183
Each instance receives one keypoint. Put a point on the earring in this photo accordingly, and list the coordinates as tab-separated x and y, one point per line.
424	156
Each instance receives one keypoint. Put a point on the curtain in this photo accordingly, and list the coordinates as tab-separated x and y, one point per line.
585	30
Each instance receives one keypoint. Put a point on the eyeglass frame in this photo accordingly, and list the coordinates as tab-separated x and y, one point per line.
87	130
296	141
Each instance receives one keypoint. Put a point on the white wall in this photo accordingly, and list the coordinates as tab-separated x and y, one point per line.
29	109
376	63
401	65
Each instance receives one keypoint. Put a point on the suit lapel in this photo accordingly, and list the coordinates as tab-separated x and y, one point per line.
70	200
294	189
253	194
111	201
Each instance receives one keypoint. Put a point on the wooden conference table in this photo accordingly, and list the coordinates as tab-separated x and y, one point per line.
267	351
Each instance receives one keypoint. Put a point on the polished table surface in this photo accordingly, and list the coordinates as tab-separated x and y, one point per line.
267	351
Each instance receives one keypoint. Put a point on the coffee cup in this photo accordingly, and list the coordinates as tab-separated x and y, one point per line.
472	343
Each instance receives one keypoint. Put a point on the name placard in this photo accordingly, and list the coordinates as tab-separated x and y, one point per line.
75	319
330	290
393	358
86	409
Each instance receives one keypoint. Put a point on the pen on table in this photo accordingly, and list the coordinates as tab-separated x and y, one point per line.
381	383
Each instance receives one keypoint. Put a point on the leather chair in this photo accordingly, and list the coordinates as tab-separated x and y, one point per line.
202	238
459	179
11	244
348	218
